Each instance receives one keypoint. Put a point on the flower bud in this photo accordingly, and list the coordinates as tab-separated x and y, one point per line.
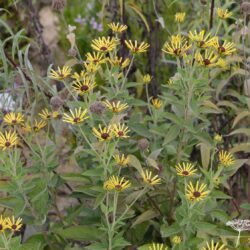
245	8
143	144
56	102
97	108
58	5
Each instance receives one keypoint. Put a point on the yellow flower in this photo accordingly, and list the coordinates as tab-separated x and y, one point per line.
117	27
201	40
120	130
180	17
196	193
45	114
12	224
177	46
103	134
213	246
13	118
185	169
227	48
77	116
38	125
218	138
8	140
170	82
83	86
157	246
149	179
222	64
223	14
91	68
156	103
56	115
2	224
116	183
176	240
60	74
208	60
121	160
115	107
226	159
137	48
104	44
147	78
118	61
96	58
79	77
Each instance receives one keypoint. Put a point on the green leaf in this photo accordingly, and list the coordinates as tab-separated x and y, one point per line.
245	206
167	231
145	216
80	233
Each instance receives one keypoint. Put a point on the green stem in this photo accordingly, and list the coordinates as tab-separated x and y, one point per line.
238	239
5	241
129	68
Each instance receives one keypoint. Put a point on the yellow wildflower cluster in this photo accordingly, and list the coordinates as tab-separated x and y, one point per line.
10	223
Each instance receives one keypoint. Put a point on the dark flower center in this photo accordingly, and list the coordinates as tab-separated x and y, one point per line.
103	48
104	136
136	49
14	227
84	88
196	194
222	49
120	133
1	227
118	186
76	119
7	144
14	121
177	51
96	61
202	43
207	62
185	173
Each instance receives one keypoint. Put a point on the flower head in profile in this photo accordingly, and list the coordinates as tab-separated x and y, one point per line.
13	224
226	158
116	183
96	58
218	138
177	46
8	139
157	103
197	192
115	107
119	61
202	40
226	48
38	125
2	224
176	239
103	133
121	160
60	74
79	76
179	17
120	130
137	48
91	68
13	118
147	78
117	27
83	86
150	179
213	246
45	114
76	116
223	14
209	59
104	44
185	169
157	246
